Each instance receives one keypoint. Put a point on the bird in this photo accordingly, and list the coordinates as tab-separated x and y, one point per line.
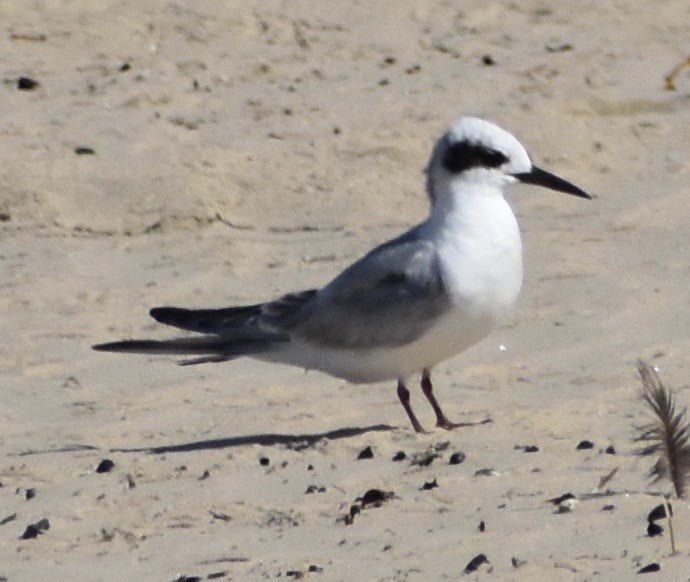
407	305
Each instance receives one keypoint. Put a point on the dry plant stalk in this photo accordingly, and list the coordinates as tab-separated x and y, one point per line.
668	435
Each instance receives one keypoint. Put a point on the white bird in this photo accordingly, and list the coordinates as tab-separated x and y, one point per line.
407	305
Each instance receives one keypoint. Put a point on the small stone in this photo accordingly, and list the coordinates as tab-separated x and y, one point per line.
423	459
584	445
35	529
105	466
315	568
610	450
30	532
314	489
517	562
488	472
310	467
567	506
27	84
84	151
374	496
608	507
296	574
456	458
488	61
531	449
482	526
399	456
264	461
30	493
125	67
654	529
561	498
428	485
365	453
475	562
659	512
205	475
653	567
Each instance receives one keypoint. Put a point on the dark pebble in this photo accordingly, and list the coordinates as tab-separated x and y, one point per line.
33	530
30	532
310	467
5	217
531	449
8	518
654	529
424	459
354	510
374	496
653	567
456	458
399	456
475	562
30	493
105	466
125	67
610	450
84	151
297	574
365	453
215	575
264	461
314	489
488	61
659	512
26	84
205	475
482	526
517	562
559	48
429	485
609	507
184	578
584	445
315	568
561	498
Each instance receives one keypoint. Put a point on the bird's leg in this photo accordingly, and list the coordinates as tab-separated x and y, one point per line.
441	420
404	395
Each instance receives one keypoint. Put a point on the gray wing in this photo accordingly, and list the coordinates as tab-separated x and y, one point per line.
389	297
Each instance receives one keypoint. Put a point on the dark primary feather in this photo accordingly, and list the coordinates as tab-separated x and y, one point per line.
668	435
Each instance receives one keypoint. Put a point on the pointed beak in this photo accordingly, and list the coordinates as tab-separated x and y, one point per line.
540	177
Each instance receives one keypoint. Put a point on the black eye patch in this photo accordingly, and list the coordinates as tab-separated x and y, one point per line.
465	155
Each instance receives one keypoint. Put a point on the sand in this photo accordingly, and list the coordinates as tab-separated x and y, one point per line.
240	150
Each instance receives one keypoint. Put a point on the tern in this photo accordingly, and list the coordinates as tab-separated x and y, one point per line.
408	304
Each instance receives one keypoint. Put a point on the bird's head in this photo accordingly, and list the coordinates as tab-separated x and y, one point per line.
475	150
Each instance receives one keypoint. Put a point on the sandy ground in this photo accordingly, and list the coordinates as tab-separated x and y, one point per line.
246	149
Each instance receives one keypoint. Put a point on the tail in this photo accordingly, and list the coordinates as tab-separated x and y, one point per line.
209	349
177	346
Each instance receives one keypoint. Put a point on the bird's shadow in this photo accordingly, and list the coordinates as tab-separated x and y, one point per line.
295	441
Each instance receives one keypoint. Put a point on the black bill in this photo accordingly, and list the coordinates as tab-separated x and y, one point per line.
540	177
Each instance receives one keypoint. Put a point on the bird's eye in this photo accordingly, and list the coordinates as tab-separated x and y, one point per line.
465	155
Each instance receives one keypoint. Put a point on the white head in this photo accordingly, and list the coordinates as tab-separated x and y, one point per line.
475	150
